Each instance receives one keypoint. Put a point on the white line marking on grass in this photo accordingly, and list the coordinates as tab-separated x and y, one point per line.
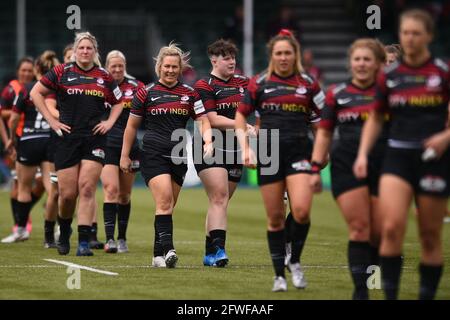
178	267
69	264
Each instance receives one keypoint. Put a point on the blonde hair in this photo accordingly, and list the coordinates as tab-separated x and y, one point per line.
172	50
284	35
373	45
46	61
80	36
117	54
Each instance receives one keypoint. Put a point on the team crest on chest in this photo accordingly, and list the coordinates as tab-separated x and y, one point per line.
184	99
301	90
433	81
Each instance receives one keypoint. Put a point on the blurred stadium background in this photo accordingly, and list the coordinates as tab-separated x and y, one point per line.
140	28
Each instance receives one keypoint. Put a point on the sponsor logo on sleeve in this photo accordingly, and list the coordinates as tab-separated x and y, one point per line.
117	93
198	107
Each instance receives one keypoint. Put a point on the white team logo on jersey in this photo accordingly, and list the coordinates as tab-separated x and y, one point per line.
393	83
301	90
241	91
433	81
128	93
100	81
184	98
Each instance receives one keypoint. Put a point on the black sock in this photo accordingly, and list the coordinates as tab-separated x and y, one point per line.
277	248
14	210
65	228
93	232
157	246
218	238
122	218
429	280
374	256
358	262
23	212
84	233
288	226
49	229
109	216
391	268
209	249
164	228
34	199
299	232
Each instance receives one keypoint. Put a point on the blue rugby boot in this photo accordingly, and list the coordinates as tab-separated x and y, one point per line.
221	258
84	250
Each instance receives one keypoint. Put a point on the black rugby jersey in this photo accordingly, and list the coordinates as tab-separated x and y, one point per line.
417	98
165	110
34	124
82	95
128	87
347	106
288	104
222	97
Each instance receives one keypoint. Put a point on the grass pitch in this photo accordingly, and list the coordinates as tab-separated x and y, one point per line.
24	274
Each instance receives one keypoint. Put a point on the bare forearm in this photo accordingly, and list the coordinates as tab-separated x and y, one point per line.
240	127
116	110
39	102
205	129
221	122
371	131
3	133
13	122
321	145
128	140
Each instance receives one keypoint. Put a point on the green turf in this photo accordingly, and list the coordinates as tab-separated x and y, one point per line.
25	275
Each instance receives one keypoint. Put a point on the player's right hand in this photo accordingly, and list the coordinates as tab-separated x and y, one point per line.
125	164
315	181
59	127
249	158
360	167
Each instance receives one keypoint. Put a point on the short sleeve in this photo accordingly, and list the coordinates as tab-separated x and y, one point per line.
113	93
138	103
249	101
328	115
198	107
51	78
206	94
317	102
19	103
381	93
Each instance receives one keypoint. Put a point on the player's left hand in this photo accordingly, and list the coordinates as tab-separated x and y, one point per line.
103	127
438	142
208	150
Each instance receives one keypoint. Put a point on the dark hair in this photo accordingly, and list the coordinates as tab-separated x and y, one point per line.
222	48
420	15
24	60
46	61
394	48
67	48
